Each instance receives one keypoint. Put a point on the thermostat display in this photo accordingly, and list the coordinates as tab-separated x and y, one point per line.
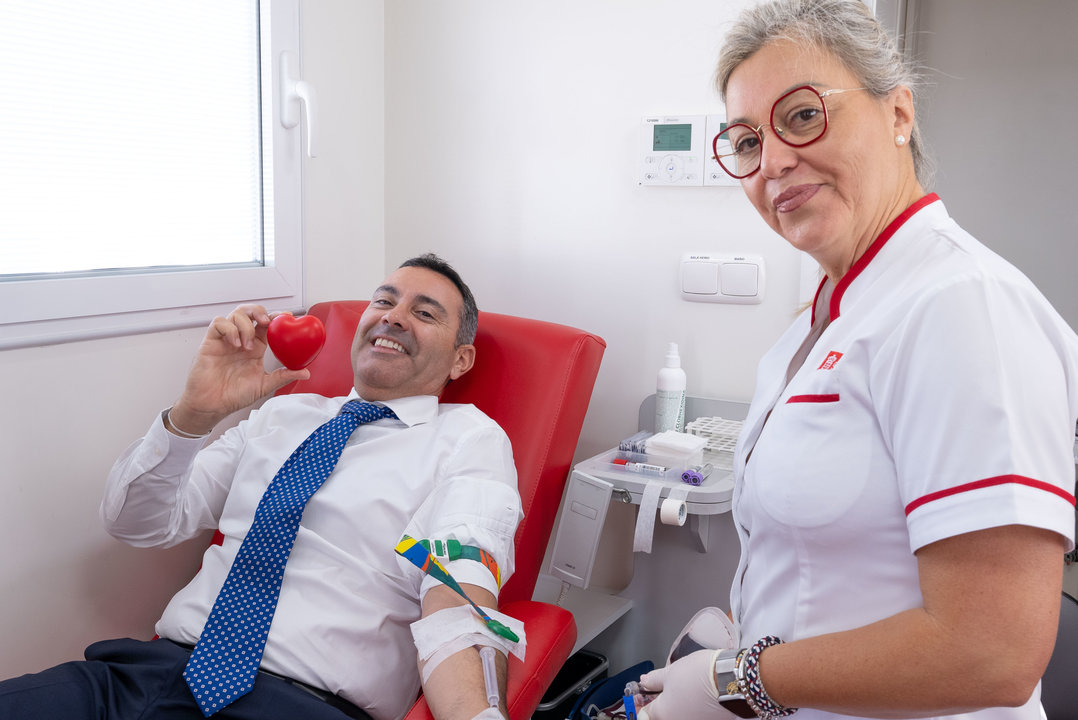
670	138
672	151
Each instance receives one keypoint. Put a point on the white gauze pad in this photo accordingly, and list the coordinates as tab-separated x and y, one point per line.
451	630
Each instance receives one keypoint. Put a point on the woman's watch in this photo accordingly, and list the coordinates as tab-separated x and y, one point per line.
726	682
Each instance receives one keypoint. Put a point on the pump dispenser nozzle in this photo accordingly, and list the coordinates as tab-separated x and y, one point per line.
673	360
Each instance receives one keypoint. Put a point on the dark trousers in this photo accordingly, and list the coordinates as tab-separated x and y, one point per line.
136	680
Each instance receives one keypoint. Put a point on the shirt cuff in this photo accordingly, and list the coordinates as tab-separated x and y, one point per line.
159	453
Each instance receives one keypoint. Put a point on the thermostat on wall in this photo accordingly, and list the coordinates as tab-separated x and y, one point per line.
673	150
713	172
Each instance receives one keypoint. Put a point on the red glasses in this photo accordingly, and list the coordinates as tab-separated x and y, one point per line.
798	118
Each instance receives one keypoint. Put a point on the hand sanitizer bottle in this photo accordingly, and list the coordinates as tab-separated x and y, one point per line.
670	394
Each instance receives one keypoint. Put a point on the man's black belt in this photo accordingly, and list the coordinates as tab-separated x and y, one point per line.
325	696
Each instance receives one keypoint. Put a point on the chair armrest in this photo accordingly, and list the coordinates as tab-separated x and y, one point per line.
551	633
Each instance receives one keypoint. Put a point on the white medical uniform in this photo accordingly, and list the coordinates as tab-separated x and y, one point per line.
940	399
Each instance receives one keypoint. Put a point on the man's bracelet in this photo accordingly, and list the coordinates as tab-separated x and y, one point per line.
747	672
171	426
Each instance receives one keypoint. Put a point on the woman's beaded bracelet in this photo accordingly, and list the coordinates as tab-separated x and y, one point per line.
749	684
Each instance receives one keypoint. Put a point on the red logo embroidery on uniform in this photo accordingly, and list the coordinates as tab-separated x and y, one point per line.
830	361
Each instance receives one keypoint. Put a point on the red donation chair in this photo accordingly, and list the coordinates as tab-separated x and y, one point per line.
535	379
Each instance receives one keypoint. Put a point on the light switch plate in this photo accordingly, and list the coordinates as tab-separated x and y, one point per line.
722	278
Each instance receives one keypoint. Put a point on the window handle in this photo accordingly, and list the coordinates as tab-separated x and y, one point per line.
296	96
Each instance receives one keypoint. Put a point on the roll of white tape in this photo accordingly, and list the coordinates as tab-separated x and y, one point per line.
673	512
645	516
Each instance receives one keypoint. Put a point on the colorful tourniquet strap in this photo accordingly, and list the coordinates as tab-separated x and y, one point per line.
417	554
450	550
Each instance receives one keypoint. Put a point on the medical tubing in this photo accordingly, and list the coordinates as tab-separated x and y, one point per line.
490	675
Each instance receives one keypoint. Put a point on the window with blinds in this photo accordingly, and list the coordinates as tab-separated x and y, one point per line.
145	181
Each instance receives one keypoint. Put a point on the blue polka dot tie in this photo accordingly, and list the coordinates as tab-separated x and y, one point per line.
225	661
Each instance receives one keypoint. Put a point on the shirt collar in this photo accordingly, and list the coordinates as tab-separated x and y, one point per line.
414	410
835	301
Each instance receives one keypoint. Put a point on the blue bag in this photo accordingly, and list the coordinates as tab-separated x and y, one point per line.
605	693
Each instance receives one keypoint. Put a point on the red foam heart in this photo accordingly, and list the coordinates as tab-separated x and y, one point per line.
295	341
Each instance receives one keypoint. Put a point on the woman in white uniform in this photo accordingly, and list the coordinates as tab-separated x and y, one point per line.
904	481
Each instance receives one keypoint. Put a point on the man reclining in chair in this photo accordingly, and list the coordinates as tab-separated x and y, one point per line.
340	643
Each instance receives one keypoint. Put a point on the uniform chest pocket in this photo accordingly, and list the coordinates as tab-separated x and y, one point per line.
809	467
820	398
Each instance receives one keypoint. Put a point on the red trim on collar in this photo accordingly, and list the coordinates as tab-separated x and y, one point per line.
873	249
815	300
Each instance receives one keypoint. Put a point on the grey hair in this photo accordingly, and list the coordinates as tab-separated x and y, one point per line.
847	29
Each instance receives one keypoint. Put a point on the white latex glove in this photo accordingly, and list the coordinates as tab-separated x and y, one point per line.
688	690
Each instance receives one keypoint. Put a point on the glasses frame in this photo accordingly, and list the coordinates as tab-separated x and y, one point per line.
771	124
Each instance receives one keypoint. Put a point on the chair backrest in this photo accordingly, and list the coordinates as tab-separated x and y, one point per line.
1059	685
533	378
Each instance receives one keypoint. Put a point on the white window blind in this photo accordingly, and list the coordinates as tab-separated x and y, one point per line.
142	172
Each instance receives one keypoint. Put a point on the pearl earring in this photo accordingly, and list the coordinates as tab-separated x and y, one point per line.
900	140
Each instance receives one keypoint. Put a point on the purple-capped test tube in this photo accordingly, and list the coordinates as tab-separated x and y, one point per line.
696	475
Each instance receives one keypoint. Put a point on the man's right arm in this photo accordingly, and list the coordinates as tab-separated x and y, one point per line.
149	500
155	497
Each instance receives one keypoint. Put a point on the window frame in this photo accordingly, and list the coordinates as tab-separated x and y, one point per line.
57	309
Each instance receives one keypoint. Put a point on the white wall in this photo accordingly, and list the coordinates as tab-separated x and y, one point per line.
69	410
513	135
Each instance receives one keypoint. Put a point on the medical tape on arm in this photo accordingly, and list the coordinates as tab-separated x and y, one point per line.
448	631
447	551
417	554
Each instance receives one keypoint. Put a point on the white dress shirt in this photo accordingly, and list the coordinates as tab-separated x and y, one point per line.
347	600
940	400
